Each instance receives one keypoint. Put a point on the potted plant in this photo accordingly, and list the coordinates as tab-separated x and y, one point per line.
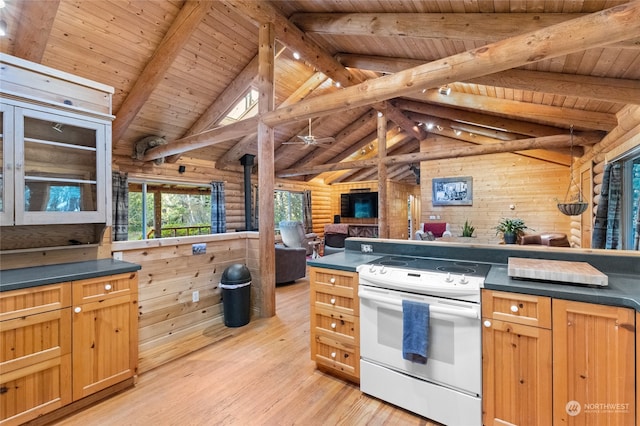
467	229
511	229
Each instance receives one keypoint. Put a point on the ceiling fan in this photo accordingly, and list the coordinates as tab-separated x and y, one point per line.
311	139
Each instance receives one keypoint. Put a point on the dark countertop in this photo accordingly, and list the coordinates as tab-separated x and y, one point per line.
623	289
13	279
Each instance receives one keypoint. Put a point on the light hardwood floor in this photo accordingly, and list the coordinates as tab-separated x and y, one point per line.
262	375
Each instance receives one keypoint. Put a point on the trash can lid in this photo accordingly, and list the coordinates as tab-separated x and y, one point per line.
236	274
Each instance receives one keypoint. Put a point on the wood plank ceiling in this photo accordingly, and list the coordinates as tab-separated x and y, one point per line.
179	67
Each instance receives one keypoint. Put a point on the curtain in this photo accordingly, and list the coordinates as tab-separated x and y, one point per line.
254	210
606	228
636	244
120	206
218	213
307	216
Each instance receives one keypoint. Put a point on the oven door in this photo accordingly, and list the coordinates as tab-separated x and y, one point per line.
454	357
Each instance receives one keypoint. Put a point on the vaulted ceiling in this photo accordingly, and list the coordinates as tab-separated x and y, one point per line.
179	67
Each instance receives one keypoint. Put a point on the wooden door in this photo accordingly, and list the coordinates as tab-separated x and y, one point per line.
593	364
516	371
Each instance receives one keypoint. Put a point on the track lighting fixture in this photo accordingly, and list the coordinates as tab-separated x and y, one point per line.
445	90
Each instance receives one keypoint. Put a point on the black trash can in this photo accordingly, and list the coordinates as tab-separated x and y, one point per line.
236	295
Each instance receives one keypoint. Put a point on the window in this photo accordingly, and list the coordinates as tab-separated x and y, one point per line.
630	200
162	210
288	205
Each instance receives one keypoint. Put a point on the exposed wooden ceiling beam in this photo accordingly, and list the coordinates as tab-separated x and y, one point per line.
619	90
480	27
34	27
545	142
521	127
175	39
578	34
589	31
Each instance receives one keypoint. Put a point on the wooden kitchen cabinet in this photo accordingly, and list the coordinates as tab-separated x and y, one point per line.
576	365
335	322
35	352
593	364
516	359
105	332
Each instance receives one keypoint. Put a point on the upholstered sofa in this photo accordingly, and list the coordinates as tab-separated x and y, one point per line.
334	236
291	263
551	239
432	230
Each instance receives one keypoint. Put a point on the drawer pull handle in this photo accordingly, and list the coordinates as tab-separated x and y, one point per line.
487	323
107	287
333	301
77	309
333	355
514	308
332	280
333	325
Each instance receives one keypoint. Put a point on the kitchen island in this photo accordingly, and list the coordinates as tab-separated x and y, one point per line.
565	351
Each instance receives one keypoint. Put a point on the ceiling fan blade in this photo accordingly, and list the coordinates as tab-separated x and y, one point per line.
295	143
325	141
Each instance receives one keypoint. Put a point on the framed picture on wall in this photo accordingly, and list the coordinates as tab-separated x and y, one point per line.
454	191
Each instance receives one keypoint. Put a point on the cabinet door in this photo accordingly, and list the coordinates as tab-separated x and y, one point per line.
105	333
516	370
593	364
6	165
60	172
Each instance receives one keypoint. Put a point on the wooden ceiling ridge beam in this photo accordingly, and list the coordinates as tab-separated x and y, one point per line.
567	37
618	90
482	27
178	35
544	142
576	35
34	26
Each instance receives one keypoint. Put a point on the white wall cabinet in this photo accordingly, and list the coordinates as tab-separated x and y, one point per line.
55	157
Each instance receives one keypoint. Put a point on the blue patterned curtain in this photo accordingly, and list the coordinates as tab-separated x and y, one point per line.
218	212
120	206
308	217
606	228
636	244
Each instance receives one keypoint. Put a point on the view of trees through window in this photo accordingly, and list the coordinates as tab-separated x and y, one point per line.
182	213
288	206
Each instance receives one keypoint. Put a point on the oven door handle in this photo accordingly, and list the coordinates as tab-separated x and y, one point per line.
397	305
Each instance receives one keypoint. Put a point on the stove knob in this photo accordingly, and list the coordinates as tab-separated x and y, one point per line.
383	270
464	280
449	278
372	268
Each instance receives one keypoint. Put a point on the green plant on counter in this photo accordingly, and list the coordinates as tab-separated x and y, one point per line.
511	229
467	229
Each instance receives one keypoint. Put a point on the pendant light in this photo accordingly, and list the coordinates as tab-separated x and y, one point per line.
577	207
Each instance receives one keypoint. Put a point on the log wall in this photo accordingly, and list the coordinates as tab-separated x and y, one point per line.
500	181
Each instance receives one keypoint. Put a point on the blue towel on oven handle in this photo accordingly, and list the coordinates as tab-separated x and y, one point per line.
415	331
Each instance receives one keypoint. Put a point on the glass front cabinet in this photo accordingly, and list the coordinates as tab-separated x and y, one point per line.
54	166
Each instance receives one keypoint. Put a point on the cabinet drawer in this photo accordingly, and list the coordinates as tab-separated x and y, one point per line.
344	304
517	308
336	355
341	280
336	324
96	289
34	300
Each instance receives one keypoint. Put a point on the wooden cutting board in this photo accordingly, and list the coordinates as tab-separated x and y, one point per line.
556	270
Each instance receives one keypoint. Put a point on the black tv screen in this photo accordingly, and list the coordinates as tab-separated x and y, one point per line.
359	205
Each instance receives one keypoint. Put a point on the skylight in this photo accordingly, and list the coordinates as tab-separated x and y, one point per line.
245	108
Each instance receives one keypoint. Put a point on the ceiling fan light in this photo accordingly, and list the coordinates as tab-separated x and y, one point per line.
429	126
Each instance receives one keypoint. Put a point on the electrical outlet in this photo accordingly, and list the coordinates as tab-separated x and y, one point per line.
366	248
195	296
432	217
117	255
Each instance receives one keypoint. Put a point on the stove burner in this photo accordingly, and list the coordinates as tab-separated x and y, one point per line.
466	264
456	269
392	262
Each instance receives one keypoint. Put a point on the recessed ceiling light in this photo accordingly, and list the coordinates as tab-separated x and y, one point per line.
296	55
3	28
445	90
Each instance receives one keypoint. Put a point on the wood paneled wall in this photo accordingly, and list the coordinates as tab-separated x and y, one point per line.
500	181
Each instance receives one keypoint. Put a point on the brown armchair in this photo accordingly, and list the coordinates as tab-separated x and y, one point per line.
291	264
546	239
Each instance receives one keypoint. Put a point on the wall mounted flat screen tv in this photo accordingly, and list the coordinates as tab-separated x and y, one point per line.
359	205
